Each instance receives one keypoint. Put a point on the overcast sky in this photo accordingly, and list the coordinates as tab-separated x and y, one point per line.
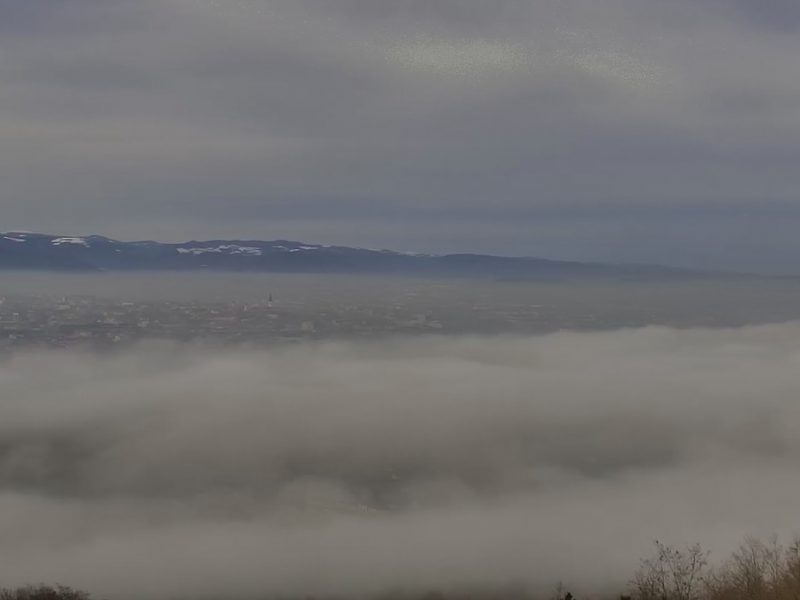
625	130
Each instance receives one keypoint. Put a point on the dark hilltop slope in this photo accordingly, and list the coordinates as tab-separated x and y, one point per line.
25	250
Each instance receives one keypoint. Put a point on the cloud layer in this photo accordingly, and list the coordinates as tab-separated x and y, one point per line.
536	123
169	471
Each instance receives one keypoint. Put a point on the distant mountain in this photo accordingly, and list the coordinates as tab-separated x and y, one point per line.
26	250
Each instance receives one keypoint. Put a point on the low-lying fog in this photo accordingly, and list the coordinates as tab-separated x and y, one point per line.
167	471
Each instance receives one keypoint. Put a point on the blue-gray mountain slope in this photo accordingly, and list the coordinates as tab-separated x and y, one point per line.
25	250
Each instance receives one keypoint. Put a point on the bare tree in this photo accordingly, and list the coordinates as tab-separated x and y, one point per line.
671	574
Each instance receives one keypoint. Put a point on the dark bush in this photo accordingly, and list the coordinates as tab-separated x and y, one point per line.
43	592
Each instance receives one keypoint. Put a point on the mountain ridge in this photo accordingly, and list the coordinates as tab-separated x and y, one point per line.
23	250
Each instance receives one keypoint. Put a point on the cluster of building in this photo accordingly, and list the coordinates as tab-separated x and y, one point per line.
98	322
328	311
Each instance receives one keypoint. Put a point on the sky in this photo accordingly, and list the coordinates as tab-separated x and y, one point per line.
614	130
344	469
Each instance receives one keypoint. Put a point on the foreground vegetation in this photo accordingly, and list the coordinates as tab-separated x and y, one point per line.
758	570
43	592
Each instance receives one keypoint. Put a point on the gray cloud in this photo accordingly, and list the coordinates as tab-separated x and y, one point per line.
174	471
132	117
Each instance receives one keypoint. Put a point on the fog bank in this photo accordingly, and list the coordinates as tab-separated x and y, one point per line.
174	471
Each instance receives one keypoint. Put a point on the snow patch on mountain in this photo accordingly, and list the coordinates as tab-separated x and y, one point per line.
75	241
224	249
